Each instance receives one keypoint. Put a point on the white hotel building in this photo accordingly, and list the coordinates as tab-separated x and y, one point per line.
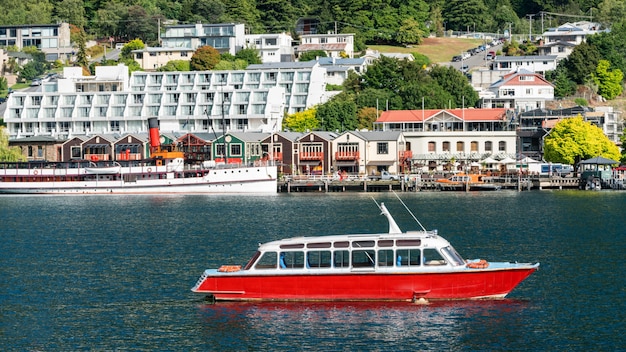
115	102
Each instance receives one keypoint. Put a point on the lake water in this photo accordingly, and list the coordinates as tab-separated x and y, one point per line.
115	272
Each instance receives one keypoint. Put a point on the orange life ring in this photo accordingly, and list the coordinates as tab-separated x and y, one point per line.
149	170
35	172
481	264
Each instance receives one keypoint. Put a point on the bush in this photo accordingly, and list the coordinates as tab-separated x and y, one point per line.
581	101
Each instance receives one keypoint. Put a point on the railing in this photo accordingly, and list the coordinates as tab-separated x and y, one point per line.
347	155
405	154
311	155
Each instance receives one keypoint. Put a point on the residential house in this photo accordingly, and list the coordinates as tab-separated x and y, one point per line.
561	40
272	47
52	39
337	69
152	58
521	90
225	37
335	45
369	152
314	153
532	63
39	148
238	147
284	147
372	55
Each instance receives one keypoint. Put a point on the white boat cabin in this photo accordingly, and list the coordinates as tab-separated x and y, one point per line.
411	251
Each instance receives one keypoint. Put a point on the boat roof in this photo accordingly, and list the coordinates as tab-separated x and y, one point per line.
431	236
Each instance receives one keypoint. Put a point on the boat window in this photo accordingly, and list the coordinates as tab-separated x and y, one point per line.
455	258
362	244
267	261
341	244
385	257
318	245
408	257
385	243
292	246
341	259
433	257
408	243
291	260
252	260
363	258
318	259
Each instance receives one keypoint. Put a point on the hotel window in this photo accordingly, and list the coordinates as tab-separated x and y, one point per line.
50	127
102	111
488	147
86	126
432	147
115	126
502	146
474	146
64	126
460	146
446	146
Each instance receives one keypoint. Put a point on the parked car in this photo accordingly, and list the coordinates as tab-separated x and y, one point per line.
385	176
457	58
35	82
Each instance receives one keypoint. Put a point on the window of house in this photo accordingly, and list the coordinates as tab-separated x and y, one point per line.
474	146
235	149
460	146
488	146
432	147
502	146
382	148
446	146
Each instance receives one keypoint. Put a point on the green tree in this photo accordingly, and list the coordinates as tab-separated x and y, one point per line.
456	84
581	62
249	55
72	11
573	139
563	85
410	32
312	55
301	121
175	65
367	117
466	15
81	55
108	21
127	49
204	11
244	11
338	114
205	58
609	82
9	154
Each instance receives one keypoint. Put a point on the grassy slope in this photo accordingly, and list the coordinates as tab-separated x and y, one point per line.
436	49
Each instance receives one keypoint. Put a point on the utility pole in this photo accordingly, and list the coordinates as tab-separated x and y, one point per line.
530	27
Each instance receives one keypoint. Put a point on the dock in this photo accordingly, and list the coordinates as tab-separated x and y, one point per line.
418	184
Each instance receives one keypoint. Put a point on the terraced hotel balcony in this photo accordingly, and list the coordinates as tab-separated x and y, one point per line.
311	155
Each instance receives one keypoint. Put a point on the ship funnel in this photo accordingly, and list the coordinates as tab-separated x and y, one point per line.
153	127
393	227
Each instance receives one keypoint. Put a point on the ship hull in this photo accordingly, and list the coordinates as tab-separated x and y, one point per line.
391	286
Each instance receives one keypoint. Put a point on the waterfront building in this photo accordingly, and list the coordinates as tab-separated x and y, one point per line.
436	136
52	39
195	101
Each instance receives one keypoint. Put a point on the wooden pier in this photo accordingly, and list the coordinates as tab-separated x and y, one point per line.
357	184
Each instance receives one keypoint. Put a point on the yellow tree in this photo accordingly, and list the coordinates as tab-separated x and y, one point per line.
301	121
573	139
7	153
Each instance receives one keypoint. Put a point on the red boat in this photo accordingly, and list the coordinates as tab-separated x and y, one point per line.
393	266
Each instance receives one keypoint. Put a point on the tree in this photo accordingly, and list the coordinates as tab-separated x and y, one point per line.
301	121
581	62
10	154
367	117
311	55
563	85
456	84
175	65
410	32
609	82
81	56
205	58
250	55
210	11
338	114
72	11
573	139
127	49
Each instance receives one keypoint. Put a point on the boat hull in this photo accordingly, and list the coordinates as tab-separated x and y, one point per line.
228	180
374	286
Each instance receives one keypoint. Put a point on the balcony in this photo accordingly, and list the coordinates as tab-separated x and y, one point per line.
347	155
311	155
405	155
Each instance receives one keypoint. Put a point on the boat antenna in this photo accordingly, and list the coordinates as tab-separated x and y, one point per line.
393	226
410	212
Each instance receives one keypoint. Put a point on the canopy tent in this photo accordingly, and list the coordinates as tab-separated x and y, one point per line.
529	160
507	160
599	160
489	160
